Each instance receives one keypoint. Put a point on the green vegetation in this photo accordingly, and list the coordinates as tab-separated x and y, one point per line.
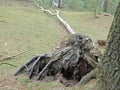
89	5
82	5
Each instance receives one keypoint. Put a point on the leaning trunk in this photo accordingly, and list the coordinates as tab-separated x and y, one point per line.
111	59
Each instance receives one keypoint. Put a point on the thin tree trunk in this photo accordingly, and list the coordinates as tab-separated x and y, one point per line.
95	16
59	3
105	6
111	60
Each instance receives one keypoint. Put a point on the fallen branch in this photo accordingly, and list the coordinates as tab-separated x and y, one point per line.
8	64
63	22
9	57
45	10
66	25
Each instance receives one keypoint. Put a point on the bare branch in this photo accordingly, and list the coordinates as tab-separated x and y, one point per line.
9	57
63	22
8	64
66	25
45	10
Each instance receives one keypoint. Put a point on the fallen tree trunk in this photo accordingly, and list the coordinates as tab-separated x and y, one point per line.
66	25
45	10
72	61
63	22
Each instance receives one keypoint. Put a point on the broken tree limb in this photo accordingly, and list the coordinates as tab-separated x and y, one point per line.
45	10
62	21
9	57
8	64
66	25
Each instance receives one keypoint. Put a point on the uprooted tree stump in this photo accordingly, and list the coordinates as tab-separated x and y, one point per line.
72	61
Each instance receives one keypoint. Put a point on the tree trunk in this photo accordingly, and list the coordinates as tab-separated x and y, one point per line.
105	5
111	59
59	3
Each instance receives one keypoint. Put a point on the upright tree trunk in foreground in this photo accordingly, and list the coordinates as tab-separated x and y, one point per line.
105	5
111	59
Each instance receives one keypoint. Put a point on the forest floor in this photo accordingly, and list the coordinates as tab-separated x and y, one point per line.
23	26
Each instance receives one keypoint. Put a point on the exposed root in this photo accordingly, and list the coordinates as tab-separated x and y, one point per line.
87	78
73	61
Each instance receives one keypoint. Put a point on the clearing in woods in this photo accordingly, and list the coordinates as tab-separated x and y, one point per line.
22	27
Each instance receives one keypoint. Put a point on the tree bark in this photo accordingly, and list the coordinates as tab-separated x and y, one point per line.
111	59
59	3
105	6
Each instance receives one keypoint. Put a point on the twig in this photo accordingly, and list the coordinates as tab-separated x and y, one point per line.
8	64
9	57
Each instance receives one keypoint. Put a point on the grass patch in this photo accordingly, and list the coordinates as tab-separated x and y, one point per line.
22	29
85	23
